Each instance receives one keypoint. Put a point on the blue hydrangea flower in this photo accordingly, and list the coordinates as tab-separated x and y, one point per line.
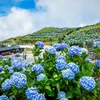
88	82
96	44
40	77
64	45
58	47
1	68
37	67
61	94
18	79
1	57
31	93
3	97
60	64
6	85
17	64
51	50
61	58
97	63
40	44
88	59
84	50
63	99
73	67
69	74
11	70
40	97
74	50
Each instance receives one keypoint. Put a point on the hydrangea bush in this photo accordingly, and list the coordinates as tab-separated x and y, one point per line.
61	73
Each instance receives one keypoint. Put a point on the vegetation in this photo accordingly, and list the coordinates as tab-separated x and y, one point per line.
49	35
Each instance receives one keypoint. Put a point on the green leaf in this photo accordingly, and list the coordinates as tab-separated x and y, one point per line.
58	87
69	94
84	98
48	88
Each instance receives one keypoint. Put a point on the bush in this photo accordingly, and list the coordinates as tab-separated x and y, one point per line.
60	75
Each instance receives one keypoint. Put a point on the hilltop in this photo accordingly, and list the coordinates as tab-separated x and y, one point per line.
54	34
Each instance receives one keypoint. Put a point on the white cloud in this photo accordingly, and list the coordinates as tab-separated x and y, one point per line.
58	13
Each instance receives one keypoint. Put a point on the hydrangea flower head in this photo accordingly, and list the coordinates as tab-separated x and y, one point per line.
18	79
60	64
3	97
88	82
61	58
88	59
64	45
97	63
96	44
6	85
73	67
1	68
61	94
69	74
57	46
1	57
40	77
51	50
40	97
37	67
40	44
63	99
74	50
31	93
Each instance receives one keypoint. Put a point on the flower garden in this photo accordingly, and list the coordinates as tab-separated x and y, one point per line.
61	73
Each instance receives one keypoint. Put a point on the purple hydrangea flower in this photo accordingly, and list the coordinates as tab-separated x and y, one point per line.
18	79
60	64
40	44
37	67
6	85
74	50
69	74
88	82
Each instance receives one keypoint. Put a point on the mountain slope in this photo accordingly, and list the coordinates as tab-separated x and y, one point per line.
52	34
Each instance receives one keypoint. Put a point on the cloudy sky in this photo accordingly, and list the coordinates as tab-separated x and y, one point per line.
20	17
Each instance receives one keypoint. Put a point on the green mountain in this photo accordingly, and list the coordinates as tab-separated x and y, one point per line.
55	34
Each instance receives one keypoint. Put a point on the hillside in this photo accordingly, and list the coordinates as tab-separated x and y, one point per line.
54	34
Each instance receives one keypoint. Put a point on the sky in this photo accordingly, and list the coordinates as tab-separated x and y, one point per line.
21	17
